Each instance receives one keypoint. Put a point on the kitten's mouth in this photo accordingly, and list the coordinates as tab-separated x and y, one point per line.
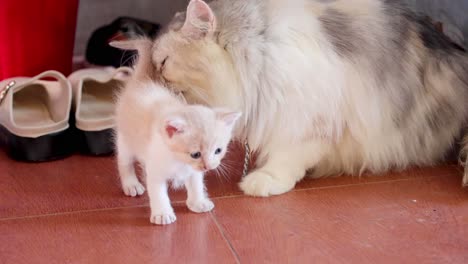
201	169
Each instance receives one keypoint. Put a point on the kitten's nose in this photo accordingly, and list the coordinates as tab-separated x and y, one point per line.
205	167
202	167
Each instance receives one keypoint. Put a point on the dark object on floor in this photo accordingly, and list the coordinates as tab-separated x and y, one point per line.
95	143
98	51
44	148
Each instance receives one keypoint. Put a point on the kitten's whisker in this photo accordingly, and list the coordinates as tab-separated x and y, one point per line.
220	176
228	161
229	170
232	164
223	172
227	165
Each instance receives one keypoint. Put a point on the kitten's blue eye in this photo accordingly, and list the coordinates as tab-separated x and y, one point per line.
195	155
218	150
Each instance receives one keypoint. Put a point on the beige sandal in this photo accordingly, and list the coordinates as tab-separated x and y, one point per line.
94	105
34	117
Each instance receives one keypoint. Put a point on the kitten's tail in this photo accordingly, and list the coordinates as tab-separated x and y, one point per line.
144	68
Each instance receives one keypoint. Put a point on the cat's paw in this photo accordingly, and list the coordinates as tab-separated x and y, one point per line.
200	206
133	188
263	184
163	218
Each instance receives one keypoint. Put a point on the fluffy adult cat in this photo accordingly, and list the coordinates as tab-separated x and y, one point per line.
338	86
172	140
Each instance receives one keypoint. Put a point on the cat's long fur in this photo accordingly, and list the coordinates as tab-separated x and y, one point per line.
337	86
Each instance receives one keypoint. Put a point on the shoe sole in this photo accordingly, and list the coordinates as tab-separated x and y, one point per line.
95	143
44	148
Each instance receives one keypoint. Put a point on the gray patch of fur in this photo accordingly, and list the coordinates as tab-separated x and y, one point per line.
441	114
339	31
388	67
401	75
349	43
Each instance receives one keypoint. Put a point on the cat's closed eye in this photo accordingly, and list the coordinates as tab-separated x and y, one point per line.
218	151
163	63
195	155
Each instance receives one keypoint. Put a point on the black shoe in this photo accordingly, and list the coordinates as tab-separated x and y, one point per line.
99	52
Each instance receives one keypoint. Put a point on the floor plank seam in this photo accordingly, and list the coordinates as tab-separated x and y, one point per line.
82	211
366	183
70	212
329	187
223	234
215	198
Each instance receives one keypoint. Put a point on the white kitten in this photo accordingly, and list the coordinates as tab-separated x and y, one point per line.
174	142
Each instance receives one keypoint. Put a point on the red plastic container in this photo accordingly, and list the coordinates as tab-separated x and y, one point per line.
36	36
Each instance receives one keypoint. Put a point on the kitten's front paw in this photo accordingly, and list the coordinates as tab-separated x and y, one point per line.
133	188
164	218
200	206
262	184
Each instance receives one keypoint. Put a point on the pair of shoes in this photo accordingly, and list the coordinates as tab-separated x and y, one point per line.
50	116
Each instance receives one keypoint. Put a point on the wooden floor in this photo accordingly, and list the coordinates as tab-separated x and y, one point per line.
73	211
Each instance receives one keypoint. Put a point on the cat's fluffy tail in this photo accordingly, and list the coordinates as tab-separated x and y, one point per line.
143	66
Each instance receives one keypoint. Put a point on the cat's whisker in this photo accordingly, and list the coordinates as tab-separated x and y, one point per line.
227	166
201	94
229	161
219	176
223	172
232	164
131	58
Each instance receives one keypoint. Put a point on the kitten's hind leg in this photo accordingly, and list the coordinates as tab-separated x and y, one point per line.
197	199
284	167
130	184
465	177
464	160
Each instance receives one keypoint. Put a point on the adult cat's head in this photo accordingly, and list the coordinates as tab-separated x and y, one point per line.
199	136
189	58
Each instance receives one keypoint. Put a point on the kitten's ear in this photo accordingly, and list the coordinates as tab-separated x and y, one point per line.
227	116
175	125
200	20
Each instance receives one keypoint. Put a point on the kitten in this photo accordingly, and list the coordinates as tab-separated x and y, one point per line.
340	86
172	140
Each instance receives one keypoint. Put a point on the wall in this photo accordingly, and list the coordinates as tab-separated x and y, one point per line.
452	13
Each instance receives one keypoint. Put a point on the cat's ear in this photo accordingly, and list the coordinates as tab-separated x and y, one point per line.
174	125
227	116
200	20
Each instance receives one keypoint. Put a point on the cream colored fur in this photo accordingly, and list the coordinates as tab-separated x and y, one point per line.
333	86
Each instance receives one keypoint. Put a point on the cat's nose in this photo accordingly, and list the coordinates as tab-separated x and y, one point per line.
204	163
203	167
